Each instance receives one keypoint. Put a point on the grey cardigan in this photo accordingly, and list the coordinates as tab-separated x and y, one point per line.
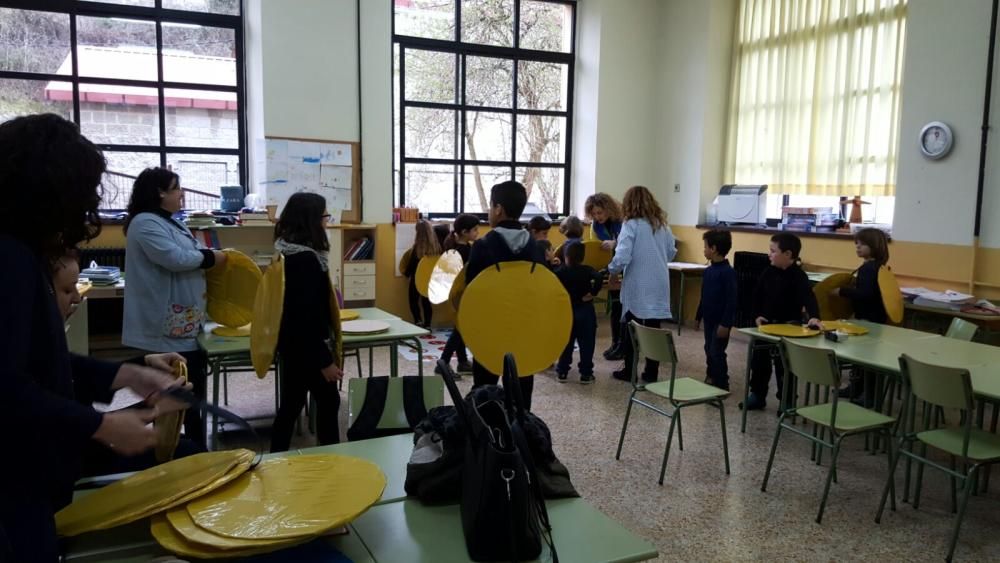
164	285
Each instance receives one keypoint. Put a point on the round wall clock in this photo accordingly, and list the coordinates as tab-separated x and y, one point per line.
936	140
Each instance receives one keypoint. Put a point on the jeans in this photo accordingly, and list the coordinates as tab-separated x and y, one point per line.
584	333
482	376
760	371
296	381
649	374
455	346
715	356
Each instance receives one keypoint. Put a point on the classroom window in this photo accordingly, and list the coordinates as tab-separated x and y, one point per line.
151	82
816	97
482	93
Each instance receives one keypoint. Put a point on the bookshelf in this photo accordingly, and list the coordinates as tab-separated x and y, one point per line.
352	250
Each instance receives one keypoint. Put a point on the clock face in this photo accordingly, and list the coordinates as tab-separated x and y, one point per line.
935	140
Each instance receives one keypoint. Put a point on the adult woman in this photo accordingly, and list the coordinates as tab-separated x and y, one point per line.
305	341
165	287
47	167
644	249
606	224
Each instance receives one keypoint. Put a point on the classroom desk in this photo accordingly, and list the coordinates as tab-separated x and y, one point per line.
414	532
817	277
390	453
684	269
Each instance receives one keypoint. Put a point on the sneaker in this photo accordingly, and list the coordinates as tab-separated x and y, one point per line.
753	403
464	367
586	379
562	376
616	355
438	370
622	375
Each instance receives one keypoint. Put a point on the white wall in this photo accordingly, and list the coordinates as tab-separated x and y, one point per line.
943	80
583	172
376	110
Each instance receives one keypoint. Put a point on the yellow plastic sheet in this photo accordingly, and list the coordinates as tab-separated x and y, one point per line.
147	492
168	426
291	497
349	315
789	331
232	332
182	524
443	276
846	327
519	308
892	297
424	270
595	256
832	308
268	306
231	290
174	541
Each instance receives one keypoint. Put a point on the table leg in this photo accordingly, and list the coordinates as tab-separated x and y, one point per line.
746	387
680	304
215	366
420	356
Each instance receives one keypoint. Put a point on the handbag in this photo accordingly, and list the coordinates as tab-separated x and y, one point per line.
502	506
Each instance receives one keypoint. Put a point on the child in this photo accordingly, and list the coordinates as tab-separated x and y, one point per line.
718	305
539	227
572	229
550	253
425	244
582	283
781	293
308	363
465	232
507	242
442	231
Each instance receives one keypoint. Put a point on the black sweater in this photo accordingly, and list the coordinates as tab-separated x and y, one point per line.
580	281
493	249
781	295
866	295
718	295
305	320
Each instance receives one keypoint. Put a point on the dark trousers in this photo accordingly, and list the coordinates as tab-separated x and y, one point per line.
760	371
419	304
28	530
296	381
616	318
715	356
584	333
649	373
194	422
455	346
482	376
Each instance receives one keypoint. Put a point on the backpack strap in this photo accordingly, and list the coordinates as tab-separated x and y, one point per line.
366	423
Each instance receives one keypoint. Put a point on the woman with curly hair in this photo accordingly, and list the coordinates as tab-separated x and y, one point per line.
606	224
644	250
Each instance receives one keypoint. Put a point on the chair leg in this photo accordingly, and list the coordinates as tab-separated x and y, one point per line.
680	434
770	458
829	479
966	492
746	388
621	439
890	483
954	485
920	479
725	443
666	451
225	386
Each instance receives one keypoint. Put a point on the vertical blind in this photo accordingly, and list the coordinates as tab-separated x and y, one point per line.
815	96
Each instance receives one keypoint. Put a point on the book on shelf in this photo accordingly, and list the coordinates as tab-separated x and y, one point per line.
350	250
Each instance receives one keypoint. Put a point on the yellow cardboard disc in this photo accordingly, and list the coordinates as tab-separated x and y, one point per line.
363	326
457	289
519	308
185	527
174	541
892	297
241	467
404	261
168	426
846	327
832	308
424	270
232	332
349	315
448	266
595	256
146	492
291	497
231	289
789	331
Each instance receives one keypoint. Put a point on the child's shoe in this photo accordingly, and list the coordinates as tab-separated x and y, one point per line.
754	403
464	367
586	379
562	376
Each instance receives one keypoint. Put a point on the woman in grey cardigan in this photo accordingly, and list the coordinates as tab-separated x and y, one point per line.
165	281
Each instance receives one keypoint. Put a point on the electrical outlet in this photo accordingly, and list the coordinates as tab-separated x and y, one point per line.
677	188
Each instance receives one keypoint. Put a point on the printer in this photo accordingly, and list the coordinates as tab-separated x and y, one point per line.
740	204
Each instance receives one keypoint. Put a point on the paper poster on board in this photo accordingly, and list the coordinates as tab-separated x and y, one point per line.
312	166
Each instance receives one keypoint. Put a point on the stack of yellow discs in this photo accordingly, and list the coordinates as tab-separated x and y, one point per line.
168	426
789	330
282	502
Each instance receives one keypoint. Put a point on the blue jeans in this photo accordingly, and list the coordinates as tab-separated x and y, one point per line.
584	333
715	356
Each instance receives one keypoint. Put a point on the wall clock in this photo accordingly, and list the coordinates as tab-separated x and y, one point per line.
936	140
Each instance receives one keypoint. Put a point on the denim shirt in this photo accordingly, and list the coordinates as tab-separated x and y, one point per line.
644	256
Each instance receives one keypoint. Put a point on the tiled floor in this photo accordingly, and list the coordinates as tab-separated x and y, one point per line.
702	514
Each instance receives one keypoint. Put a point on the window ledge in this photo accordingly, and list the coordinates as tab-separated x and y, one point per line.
765	230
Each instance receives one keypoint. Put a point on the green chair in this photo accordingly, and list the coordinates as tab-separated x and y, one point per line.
393	416
946	387
818	366
961	329
658	345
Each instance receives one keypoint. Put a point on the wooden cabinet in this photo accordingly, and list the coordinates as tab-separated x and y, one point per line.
352	262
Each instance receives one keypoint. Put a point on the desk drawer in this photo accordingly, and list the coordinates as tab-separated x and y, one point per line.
358	282
352	269
359	293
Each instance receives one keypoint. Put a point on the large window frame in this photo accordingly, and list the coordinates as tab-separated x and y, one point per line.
158	15
462	51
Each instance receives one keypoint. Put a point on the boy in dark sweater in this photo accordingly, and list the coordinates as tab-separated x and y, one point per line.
718	305
582	283
507	242
782	293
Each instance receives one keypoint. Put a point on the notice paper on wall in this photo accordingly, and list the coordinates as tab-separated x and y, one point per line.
405	235
308	166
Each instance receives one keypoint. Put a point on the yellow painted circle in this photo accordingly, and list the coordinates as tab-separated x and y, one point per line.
268	307
519	308
176	540
833	308
147	492
595	256
291	497
789	331
168	426
892	297
349	315
424	270
447	268
231	289
842	326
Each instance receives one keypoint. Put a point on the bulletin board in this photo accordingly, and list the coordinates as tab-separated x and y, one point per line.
329	168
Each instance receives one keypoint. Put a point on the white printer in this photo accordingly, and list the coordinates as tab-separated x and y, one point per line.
742	205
